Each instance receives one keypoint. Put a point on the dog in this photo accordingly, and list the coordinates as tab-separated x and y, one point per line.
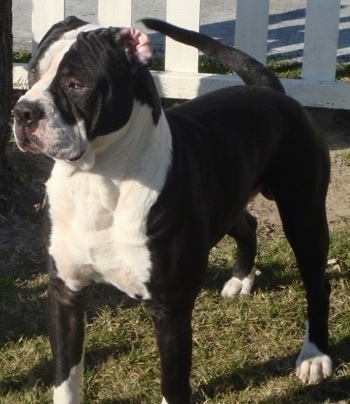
139	195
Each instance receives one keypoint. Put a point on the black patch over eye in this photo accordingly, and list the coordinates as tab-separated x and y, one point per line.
75	85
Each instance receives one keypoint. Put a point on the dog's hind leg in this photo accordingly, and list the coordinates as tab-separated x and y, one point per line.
244	233
305	224
66	326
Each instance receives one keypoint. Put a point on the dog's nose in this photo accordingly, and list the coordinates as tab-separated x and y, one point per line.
26	112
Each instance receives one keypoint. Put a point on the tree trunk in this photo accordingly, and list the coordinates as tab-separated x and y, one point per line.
5	76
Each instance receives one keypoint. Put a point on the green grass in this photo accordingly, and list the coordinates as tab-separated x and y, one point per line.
244	348
283	69
21	56
286	69
345	156
343	71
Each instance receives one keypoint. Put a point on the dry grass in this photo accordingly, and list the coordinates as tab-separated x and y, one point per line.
244	349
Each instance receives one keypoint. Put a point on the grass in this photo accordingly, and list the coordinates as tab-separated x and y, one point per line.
283	69
343	72
21	56
244	348
345	156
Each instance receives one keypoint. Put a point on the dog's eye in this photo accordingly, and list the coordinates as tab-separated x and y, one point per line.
75	85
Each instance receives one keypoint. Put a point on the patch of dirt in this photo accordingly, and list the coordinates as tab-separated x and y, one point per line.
338	199
22	195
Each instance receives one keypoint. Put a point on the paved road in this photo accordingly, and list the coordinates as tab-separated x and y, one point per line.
286	25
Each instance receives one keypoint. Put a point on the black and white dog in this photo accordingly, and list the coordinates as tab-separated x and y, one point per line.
138	196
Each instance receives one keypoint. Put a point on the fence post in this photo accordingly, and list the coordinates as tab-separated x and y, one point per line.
44	15
116	13
321	39
252	21
178	57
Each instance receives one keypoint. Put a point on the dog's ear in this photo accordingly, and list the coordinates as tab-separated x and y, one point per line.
139	51
138	47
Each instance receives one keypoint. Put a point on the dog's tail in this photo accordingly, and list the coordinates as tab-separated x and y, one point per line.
248	69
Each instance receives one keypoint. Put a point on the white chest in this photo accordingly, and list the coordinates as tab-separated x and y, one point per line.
98	231
99	205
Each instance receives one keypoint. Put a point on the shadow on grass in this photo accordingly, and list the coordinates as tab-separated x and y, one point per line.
23	306
258	374
94	358
334	390
240	379
22	311
41	375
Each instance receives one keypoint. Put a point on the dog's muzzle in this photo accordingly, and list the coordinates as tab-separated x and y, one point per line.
27	115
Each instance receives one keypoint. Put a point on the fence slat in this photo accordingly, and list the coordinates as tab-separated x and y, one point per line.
252	21
178	57
115	13
321	39
44	15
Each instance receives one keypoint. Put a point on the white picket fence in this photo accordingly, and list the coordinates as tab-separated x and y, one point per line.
181	79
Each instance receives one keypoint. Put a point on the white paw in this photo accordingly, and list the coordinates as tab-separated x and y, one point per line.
68	392
235	286
193	388
232	288
312	365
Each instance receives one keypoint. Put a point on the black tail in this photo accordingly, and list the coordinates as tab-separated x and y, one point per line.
248	69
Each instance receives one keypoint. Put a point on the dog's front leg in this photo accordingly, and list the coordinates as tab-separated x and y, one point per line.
66	326
174	338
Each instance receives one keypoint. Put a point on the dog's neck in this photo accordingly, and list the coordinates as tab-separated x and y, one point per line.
140	151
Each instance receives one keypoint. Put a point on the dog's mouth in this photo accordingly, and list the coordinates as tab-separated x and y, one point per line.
30	142
76	158
27	141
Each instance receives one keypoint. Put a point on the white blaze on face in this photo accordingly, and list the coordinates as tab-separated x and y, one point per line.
51	134
54	54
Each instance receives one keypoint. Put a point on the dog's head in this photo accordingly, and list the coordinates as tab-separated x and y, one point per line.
84	81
